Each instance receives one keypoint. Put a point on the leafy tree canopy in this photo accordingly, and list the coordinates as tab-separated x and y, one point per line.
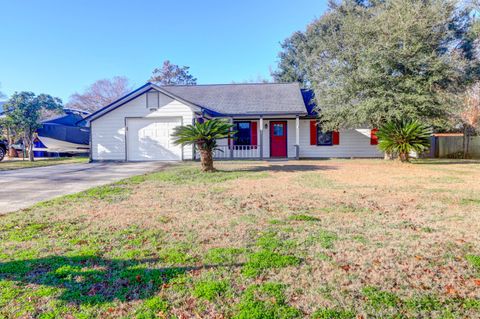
370	62
292	60
24	113
172	74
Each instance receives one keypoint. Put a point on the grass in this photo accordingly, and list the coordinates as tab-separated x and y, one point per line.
379	299
265	301
18	164
303	239
474	260
303	218
211	289
333	314
265	259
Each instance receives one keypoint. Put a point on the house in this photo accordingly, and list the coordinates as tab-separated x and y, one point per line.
273	120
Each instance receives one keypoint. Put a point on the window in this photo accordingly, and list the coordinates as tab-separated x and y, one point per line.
324	138
243	133
278	129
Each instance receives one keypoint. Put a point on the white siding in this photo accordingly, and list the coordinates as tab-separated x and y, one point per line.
353	143
108	131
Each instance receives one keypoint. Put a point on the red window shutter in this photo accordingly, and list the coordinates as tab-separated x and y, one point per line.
313	132
373	137
253	133
336	137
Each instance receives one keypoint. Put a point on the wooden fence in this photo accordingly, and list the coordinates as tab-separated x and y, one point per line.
447	146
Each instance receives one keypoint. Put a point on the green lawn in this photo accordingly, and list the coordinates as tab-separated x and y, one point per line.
299	239
17	164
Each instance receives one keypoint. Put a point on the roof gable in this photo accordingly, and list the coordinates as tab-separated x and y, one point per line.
225	99
134	94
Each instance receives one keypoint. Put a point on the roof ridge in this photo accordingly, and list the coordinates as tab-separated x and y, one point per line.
222	84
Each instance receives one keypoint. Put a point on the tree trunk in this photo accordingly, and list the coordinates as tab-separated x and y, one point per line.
28	141
11	151
206	159
465	137
387	156
404	157
31	158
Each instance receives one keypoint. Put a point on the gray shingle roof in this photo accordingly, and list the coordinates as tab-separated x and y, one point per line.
244	99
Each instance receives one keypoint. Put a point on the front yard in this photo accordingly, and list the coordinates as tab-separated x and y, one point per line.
300	239
9	164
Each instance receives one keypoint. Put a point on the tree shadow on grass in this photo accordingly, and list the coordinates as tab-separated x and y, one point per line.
94	280
288	168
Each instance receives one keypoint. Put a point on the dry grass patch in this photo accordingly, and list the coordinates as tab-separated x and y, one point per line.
315	239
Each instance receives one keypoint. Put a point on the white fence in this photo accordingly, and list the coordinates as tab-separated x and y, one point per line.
235	152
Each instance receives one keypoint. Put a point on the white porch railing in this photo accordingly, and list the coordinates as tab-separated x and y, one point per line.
234	152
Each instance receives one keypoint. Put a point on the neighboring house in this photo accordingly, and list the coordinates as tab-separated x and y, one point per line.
272	120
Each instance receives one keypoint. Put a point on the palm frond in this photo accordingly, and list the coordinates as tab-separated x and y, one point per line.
204	134
404	137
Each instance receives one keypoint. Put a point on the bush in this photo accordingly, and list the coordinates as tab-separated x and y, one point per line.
400	138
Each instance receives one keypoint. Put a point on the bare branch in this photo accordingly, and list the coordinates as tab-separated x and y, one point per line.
100	94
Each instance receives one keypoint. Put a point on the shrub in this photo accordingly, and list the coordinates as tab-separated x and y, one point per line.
403	137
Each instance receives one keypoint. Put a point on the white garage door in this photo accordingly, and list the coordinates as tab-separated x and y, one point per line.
149	139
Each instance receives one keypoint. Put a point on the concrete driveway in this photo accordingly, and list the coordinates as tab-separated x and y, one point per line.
22	188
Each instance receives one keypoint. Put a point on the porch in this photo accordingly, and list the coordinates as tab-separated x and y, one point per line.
261	138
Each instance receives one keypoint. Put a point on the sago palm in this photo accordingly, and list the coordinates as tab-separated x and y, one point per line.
204	136
401	137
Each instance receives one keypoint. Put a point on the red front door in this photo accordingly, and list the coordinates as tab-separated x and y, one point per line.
278	139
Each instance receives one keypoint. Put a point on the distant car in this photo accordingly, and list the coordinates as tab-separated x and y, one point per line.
3	150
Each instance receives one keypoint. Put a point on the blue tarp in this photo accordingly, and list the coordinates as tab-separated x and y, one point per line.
65	128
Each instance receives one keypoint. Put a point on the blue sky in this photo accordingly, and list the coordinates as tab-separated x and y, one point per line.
59	47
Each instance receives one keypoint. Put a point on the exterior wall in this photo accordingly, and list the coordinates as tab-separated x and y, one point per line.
108	131
108	134
266	137
353	143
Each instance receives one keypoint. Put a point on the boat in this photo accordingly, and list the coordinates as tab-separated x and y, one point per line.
64	134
